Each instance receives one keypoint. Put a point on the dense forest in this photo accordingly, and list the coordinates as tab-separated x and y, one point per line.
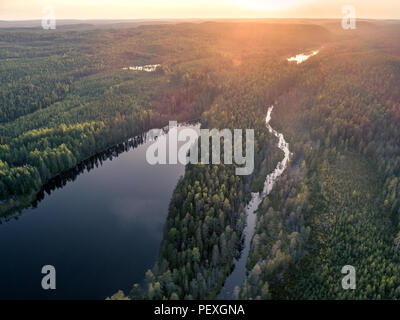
96	104
338	204
65	97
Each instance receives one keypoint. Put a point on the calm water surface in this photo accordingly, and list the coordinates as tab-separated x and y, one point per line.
101	232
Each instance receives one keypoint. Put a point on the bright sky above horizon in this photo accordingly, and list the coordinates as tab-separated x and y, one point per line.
141	9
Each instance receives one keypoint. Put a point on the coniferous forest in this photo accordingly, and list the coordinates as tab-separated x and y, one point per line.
66	97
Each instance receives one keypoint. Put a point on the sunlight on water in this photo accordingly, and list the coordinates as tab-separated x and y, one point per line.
302	57
146	68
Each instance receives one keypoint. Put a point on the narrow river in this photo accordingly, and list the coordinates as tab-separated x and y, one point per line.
231	288
232	284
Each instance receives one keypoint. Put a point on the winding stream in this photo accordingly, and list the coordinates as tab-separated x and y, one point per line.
231	288
232	284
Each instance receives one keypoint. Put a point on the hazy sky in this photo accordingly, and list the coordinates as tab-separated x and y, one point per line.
138	9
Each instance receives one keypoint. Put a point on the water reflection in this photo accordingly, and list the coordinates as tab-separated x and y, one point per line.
101	227
87	165
300	58
91	163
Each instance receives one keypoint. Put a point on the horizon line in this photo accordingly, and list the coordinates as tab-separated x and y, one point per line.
204	18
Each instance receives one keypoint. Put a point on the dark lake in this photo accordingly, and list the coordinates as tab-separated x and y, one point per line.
101	231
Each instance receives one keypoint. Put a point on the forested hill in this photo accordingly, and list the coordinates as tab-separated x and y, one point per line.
338	205
65	97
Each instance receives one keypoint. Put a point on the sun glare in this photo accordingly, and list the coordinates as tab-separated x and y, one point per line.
268	5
